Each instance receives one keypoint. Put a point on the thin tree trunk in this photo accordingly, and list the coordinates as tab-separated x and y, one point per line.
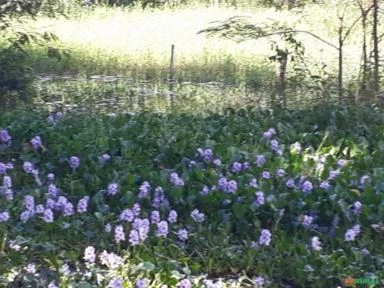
340	76
376	77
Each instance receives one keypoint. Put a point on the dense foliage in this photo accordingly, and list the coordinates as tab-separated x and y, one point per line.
254	198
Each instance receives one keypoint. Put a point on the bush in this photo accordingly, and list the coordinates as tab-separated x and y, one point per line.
16	78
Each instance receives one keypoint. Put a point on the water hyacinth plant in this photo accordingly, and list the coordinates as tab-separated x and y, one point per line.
242	214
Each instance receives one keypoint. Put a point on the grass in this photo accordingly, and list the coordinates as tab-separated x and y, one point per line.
136	43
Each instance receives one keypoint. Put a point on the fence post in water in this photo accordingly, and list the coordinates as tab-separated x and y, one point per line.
171	72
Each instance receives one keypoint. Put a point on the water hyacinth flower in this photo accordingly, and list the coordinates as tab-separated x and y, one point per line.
290	183
176	180
51	177
253	183
182	234
7	182
236	167
29	202
269	134
36	142
4	216
266	175
341	163
197	216
4	136
231	187
315	243
28	167
74	162
185	283
112	189
162	229
333	174
204	191
53	190
259	281
217	162
141	283
108	227
155	217
207	154
364	180
265	237
144	189
307	186
39	209
260	160
222	184
48	215
136	209
110	260
172	217
307	220
134	238
82	205
280	172
89	254
357	207
142	227
325	185
116	283
259	198
119	233
275	145
105	157
350	235
30	268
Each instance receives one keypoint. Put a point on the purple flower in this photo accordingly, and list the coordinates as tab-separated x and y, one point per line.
290	183
325	185
48	216
51	177
127	215
105	157
82	206
111	260
134	238
197	216
30	268
185	283
29	202
236	167
182	234
144	189
89	254
116	283
341	163
136	209
266	175
333	174
28	167
39	209
315	243
307	220
307	186
231	187
7	182
142	227
112	189
36	142
155	217
119	233
259	281
253	183
4	136
260	160
350	235
4	216
207	154
280	172
52	190
204	191
222	184
176	180
357	207
141	283
162	229
364	180
108	228
74	162
217	162
356	228
269	134
265	237
172	217
275	145
259	198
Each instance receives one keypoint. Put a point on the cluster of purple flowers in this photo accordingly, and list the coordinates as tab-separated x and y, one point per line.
227	186
265	237
197	216
144	190
207	154
36	142
112	189
315	243
351	234
176	180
